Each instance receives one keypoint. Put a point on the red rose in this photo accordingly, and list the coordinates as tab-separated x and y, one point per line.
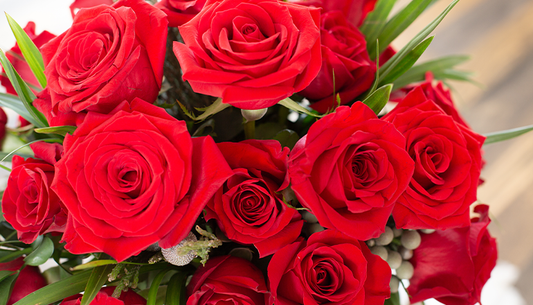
227	280
3	122
78	4
349	170
345	64
330	268
132	178
447	159
28	280
453	265
251	53
104	297
437	93
249	207
29	204
180	11
110	54
354	10
17	60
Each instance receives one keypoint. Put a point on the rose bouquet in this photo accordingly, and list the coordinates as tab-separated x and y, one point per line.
239	152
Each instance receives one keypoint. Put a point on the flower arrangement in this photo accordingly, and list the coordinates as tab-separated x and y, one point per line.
239	151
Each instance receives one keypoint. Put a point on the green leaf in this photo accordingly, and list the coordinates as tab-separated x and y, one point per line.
292	105
6	286
95	282
4	274
407	62
397	58
213	109
379	98
375	22
287	138
503	135
418	72
29	50
14	103
152	293
394	299
58	290
397	24
23	92
60	130
41	254
176	294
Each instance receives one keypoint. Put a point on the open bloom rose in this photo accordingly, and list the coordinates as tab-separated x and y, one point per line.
329	268
110	54
354	10
349	170
249	207
104	296
180	11
29	204
346	68
453	265
15	57
447	159
132	178
251	53
227	280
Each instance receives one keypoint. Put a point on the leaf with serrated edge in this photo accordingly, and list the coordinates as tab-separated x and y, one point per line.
503	135
31	53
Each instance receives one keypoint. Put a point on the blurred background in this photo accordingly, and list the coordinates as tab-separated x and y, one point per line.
499	37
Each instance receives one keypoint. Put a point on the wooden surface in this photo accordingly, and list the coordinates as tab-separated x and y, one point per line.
498	34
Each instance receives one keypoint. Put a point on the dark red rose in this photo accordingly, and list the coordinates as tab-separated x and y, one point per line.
349	170
251	53
79	4
132	178
29	204
438	93
14	55
3	122
110	54
28	280
354	10
180	11
104	297
345	64
249	207
447	159
330	268
453	265
227	280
